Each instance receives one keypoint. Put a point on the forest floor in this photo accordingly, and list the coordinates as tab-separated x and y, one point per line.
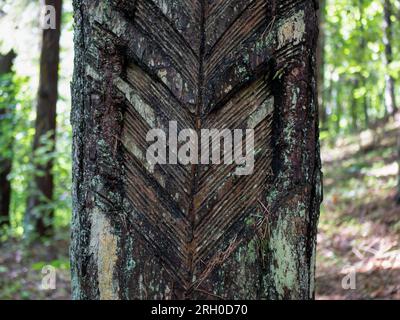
359	230
358	253
23	270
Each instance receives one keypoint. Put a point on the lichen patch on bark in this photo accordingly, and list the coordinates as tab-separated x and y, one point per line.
284	269
103	246
292	30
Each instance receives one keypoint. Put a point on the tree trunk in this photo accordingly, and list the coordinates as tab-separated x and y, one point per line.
321	64
339	104
353	104
366	105
398	162
361	57
194	231
39	212
6	122
390	98
397	10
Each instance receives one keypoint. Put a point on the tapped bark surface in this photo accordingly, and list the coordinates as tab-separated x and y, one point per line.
196	231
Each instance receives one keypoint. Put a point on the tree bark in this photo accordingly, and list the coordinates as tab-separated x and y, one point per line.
196	231
6	116
390	98
39	212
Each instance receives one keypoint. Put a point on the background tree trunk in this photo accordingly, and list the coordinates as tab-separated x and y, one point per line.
398	10
321	63
6	115
195	231
39	211
398	161
361	83
354	83
390	98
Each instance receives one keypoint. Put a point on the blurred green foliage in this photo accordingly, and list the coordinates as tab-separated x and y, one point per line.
354	79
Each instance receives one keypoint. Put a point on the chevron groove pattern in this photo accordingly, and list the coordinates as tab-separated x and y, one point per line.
203	64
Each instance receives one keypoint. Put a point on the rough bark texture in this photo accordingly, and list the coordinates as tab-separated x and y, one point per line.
41	191
390	98
6	116
194	232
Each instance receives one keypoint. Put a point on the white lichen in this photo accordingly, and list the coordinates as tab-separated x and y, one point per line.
292	30
284	269
103	247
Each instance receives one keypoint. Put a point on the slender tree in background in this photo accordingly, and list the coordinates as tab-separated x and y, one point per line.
39	210
398	10
388	50
353	84
195	231
321	64
398	175
390	98
7	105
361	81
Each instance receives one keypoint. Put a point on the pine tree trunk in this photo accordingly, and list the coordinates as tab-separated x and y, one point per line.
39	212
390	98
6	116
196	231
